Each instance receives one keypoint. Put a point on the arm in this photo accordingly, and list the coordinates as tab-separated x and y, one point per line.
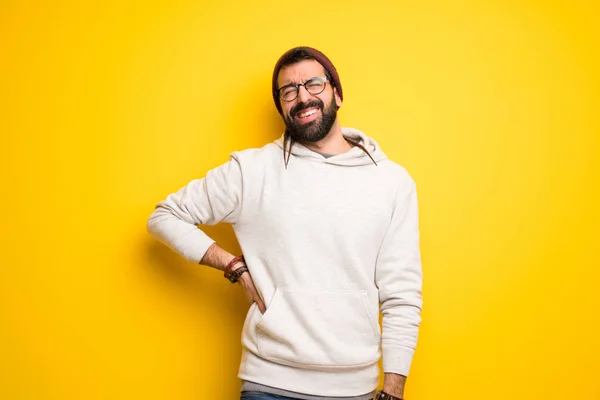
394	384
216	198
218	258
213	199
399	279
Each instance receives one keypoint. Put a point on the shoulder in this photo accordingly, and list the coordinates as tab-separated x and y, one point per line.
396	172
258	160
267	152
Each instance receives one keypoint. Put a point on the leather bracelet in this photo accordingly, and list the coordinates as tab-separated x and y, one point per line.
231	264
234	276
381	395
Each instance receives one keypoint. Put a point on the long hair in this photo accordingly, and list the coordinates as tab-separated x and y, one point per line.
287	138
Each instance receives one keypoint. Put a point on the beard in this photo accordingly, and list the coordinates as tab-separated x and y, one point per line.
312	131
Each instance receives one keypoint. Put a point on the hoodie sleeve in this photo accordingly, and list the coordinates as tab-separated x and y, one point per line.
399	279
210	200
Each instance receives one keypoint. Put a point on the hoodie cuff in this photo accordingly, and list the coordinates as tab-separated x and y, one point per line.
194	245
397	361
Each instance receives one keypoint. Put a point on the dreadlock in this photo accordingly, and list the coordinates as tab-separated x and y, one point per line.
287	138
294	56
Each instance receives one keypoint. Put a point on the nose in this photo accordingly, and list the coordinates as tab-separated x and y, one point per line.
303	95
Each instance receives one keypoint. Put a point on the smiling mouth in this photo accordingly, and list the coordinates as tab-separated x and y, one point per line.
306	114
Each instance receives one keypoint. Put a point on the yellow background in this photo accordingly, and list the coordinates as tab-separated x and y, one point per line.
106	107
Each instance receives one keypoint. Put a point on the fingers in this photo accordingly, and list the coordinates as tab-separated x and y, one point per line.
260	304
251	292
255	297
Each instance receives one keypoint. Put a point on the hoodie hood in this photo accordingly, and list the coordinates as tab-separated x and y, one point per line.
355	157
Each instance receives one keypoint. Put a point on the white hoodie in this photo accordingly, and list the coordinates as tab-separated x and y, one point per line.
327	241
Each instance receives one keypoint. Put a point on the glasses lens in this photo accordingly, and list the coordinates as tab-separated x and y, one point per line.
288	93
314	85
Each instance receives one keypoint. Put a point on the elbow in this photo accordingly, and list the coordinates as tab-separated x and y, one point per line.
149	225
153	221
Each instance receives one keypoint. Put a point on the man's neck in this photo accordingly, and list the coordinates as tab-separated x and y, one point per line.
334	143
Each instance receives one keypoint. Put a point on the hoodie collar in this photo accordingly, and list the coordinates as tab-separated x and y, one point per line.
354	157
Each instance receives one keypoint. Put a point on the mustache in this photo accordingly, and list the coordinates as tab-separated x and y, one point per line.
303	106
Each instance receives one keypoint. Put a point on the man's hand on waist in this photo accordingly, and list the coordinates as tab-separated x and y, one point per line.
218	258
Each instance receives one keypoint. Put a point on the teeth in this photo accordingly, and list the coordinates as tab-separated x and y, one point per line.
306	114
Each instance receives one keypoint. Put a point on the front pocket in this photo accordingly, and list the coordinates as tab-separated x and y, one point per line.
320	329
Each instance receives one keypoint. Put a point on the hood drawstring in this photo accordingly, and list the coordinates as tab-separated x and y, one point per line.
360	146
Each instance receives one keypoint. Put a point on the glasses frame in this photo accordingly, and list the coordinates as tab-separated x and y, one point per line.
297	86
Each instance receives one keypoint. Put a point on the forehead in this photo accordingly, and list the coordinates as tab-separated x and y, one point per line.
299	72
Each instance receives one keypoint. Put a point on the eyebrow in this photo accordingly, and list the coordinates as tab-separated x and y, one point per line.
289	83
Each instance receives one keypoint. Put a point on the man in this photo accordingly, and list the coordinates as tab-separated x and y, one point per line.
328	227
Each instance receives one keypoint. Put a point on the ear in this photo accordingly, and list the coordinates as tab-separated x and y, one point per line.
338	100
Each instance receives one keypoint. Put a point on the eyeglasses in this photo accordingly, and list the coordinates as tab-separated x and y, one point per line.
312	86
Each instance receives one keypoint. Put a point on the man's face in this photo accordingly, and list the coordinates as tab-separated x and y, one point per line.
309	117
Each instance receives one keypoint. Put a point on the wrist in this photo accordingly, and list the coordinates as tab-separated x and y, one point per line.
245	279
393	384
382	395
235	268
237	273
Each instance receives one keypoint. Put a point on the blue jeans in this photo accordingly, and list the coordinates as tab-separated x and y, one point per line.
263	396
